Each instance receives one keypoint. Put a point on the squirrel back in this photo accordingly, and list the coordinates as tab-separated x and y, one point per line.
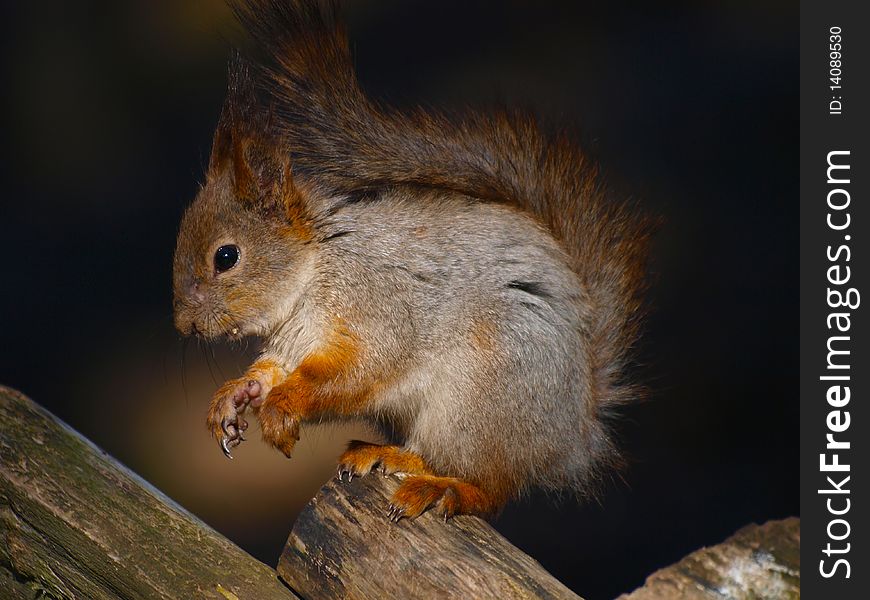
348	142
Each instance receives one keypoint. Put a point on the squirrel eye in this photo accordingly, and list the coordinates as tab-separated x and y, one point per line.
226	258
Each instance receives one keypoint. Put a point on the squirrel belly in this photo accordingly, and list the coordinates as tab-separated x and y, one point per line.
466	285
467	327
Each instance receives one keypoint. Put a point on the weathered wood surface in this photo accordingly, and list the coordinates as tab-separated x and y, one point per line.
344	546
759	561
74	523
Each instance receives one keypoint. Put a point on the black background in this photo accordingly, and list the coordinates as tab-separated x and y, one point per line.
692	107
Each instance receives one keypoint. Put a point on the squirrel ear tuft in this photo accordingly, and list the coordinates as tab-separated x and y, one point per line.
245	148
238	109
237	146
222	145
240	155
245	181
292	202
261	177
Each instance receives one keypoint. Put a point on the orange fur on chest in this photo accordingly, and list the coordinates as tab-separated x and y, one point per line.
327	381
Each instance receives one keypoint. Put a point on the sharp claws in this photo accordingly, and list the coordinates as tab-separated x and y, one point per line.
395	513
225	448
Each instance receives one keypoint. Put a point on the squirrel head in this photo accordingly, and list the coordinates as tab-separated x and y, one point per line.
244	241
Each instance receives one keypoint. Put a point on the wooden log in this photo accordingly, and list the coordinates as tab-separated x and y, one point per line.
74	523
759	561
344	546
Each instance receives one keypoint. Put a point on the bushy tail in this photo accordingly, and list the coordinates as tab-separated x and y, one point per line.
348	142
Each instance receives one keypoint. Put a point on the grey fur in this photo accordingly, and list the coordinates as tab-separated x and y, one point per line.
416	275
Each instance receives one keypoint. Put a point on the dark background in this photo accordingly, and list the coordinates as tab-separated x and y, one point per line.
108	110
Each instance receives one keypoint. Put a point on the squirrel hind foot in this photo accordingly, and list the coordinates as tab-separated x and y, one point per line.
445	496
361	458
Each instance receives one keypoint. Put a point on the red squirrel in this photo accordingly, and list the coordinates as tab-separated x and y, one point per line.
464	284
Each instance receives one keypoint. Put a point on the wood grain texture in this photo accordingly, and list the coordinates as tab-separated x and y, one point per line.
75	523
344	546
759	561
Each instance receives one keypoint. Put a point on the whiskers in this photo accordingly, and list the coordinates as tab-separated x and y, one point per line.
184	342
214	350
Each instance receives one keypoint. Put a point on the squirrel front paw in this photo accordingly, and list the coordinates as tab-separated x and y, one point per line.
227	406
280	429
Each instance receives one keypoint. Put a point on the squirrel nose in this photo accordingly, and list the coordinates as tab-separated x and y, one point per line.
195	291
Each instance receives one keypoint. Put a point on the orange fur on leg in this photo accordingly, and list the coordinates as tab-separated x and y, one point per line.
319	385
361	458
447	496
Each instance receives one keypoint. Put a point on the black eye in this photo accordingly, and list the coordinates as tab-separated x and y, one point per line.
226	258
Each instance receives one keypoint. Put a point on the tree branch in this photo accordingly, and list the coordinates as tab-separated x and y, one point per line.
75	523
